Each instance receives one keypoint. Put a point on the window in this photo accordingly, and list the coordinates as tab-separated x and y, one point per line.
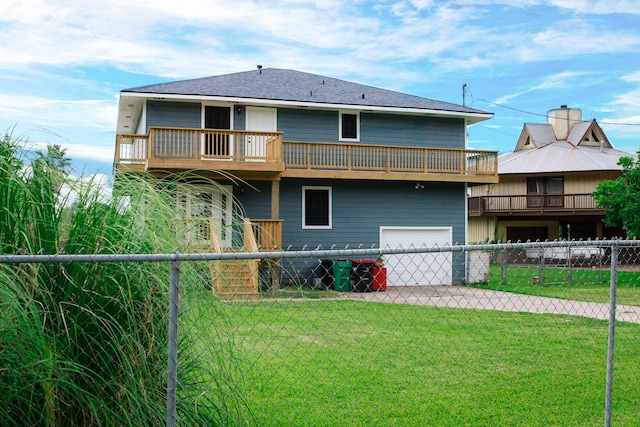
546	192
349	126
316	207
216	144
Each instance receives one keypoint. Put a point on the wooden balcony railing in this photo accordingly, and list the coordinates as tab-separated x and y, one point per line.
388	159
203	234
199	144
552	204
177	148
268	233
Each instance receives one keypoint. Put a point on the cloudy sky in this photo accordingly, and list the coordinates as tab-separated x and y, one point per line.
63	62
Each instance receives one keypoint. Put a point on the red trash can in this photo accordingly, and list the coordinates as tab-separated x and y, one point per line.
379	279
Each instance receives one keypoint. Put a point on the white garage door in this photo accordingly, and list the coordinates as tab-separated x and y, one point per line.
422	268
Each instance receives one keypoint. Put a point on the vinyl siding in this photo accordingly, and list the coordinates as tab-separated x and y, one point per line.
416	131
380	129
361	207
482	229
322	126
174	114
308	125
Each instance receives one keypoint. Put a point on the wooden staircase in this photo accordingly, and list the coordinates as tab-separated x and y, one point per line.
236	279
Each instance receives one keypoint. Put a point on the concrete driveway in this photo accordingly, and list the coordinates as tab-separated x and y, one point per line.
481	299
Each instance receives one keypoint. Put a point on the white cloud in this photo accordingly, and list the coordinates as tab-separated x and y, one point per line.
57	113
391	43
631	78
549	82
100	183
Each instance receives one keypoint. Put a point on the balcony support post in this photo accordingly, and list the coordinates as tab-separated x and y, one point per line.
275	199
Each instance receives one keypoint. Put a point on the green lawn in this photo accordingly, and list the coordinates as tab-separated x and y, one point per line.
581	285
349	363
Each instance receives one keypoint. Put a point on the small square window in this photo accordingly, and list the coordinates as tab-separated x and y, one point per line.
349	126
316	207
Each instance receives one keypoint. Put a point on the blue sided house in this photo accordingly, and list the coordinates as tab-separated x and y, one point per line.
311	161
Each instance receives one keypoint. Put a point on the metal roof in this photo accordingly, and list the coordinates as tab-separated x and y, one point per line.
302	88
578	130
561	156
541	133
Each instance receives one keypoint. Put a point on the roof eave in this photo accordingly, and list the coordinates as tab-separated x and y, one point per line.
469	116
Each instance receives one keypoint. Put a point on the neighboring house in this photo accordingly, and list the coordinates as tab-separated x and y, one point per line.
319	161
546	183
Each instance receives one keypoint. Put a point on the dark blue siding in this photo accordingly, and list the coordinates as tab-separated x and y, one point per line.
361	207
322	126
174	114
415	131
255	199
308	125
384	129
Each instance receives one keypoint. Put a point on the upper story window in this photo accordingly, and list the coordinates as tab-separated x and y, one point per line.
545	191
316	207
545	185
349	126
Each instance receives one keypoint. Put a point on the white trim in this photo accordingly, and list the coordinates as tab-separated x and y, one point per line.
315	105
142	124
351	113
466	213
203	105
318	187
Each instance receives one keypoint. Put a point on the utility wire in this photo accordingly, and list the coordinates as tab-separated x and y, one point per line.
547	116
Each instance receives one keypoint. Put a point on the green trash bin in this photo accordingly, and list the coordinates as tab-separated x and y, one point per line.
342	276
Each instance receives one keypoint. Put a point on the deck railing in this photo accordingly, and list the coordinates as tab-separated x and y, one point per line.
535	204
198	144
204	234
268	233
186	145
383	158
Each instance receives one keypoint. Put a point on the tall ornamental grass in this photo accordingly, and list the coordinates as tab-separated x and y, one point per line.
86	343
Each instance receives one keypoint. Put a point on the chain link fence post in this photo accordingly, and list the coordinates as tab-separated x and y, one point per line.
503	264
172	351
612	329
569	270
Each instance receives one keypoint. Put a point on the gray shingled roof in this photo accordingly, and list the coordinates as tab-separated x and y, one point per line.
296	86
560	156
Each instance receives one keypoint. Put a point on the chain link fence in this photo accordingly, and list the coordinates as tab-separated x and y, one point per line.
501	334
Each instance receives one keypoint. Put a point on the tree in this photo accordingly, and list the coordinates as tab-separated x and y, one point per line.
55	163
621	197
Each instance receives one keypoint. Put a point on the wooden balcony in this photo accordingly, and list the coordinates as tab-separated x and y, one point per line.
243	152
536	205
177	149
362	161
